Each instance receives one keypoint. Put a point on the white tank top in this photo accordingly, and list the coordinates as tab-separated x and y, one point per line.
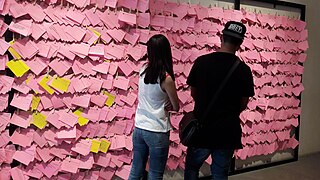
150	114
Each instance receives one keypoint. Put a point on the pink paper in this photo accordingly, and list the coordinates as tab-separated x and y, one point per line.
60	66
121	83
143	20
22	101
44	154
98	99
37	65
93	17
82	147
75	16
70	165
36	12
86	162
68	118
82	101
127	17
67	133
3	46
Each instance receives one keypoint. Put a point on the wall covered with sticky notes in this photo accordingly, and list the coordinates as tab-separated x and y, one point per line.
76	68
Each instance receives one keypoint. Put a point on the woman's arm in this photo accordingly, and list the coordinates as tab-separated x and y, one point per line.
169	87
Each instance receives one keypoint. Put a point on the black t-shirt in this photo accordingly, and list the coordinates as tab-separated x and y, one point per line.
222	125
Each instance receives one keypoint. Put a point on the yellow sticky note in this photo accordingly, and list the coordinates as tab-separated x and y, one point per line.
110	99
104	145
95	146
82	121
39	120
61	84
95	32
18	67
13	52
78	112
44	85
35	102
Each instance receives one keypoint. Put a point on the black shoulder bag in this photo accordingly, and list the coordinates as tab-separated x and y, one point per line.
189	124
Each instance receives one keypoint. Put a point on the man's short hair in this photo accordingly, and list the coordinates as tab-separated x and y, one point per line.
232	40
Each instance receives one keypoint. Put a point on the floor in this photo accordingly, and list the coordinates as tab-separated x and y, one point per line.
306	168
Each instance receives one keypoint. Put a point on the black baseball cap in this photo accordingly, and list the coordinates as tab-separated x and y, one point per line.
234	29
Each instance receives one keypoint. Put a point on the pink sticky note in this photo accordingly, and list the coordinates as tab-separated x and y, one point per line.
143	19
125	68
121	83
70	165
20	120
4	138
116	34
75	16
17	174
92	17
96	85
80	49
123	172
143	5
3	60
86	162
22	101
60	66
44	154
128	4
39	139
37	31
3	46
37	65
111	3
22	27
23	157
98	99
68	118
82	147
36	12
82	101
127	17
132	38
102	67
46	101
49	169
21	139
67	133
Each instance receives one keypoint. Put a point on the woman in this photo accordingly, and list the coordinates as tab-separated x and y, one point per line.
157	95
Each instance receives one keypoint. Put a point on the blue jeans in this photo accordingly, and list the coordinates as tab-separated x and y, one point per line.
145	143
221	159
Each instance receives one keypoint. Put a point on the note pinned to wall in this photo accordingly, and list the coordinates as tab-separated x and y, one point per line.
59	83
39	120
18	67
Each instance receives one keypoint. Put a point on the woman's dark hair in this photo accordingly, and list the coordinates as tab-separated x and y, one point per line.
232	40
159	60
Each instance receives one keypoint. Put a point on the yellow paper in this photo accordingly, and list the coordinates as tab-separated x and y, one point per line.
95	146
78	112
110	99
61	84
13	52
35	102
39	120
82	121
18	67
44	85
104	146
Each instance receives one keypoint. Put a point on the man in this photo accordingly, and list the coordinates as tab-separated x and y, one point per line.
221	133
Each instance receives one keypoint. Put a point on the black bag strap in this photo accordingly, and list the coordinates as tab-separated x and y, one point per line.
224	82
